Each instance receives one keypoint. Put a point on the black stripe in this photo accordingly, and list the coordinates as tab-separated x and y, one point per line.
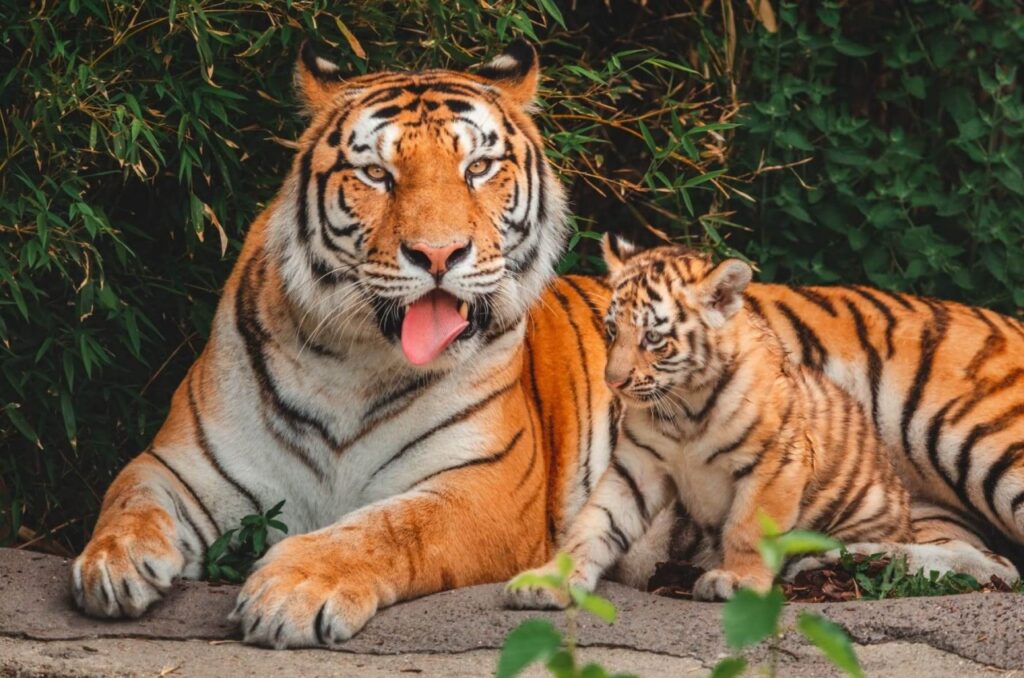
816	298
874	360
450	421
617	534
959	522
979	431
584	363
255	336
202	506
388	398
207	448
533	443
638	496
931	336
489	459
851	508
181	510
986	390
723	381
932	437
890	318
597	316
632	439
1007	459
736	444
995	343
812	352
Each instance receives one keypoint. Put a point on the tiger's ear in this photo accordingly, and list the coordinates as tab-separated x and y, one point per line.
720	295
317	80
617	252
516	72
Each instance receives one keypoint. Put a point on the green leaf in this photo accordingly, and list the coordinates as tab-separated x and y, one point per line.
563	564
796	542
730	667
524	579
595	605
831	639
551	8
535	640
749	617
593	671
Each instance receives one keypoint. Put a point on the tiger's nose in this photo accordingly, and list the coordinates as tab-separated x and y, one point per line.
436	260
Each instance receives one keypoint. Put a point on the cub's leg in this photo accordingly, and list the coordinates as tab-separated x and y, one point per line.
773	487
943	542
630	494
151	530
672	535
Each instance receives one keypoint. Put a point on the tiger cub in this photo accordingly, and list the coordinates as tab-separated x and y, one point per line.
716	415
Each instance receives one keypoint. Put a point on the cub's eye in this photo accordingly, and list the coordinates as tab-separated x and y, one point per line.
609	329
651	337
478	168
376	172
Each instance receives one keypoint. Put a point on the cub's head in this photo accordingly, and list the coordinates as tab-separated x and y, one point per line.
420	212
669	307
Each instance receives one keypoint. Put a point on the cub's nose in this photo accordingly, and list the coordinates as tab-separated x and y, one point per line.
434	259
614	381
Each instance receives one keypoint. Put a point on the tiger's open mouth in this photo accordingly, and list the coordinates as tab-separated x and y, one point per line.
427	326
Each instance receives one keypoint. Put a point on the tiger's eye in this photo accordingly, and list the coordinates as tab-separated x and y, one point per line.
376	172
478	167
652	337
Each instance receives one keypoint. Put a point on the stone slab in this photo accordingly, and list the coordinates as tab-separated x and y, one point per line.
978	629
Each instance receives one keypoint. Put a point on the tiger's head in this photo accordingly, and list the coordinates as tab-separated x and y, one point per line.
670	307
421	213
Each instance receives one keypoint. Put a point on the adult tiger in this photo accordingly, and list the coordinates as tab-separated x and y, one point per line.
374	362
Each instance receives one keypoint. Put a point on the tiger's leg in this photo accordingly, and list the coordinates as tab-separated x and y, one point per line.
320	588
150	531
943	542
630	494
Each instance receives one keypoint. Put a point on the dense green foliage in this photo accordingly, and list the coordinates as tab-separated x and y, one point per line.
878	142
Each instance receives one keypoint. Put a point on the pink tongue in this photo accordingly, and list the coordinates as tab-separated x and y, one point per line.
431	323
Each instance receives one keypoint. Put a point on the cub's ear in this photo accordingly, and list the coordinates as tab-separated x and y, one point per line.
516	72
617	252
720	295
317	80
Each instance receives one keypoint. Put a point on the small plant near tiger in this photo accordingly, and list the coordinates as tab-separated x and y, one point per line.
880	576
231	556
538	641
750	617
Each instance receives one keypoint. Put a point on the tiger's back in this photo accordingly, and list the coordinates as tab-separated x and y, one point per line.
940	380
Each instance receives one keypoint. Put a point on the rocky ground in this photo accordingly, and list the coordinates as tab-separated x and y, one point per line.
458	633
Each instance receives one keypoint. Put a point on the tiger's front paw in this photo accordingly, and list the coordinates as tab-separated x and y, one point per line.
301	598
128	566
720	584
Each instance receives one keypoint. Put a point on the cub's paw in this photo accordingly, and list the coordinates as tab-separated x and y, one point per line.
719	584
530	596
127	567
296	599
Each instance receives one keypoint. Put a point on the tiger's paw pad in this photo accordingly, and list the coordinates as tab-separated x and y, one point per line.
121	576
283	607
721	584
